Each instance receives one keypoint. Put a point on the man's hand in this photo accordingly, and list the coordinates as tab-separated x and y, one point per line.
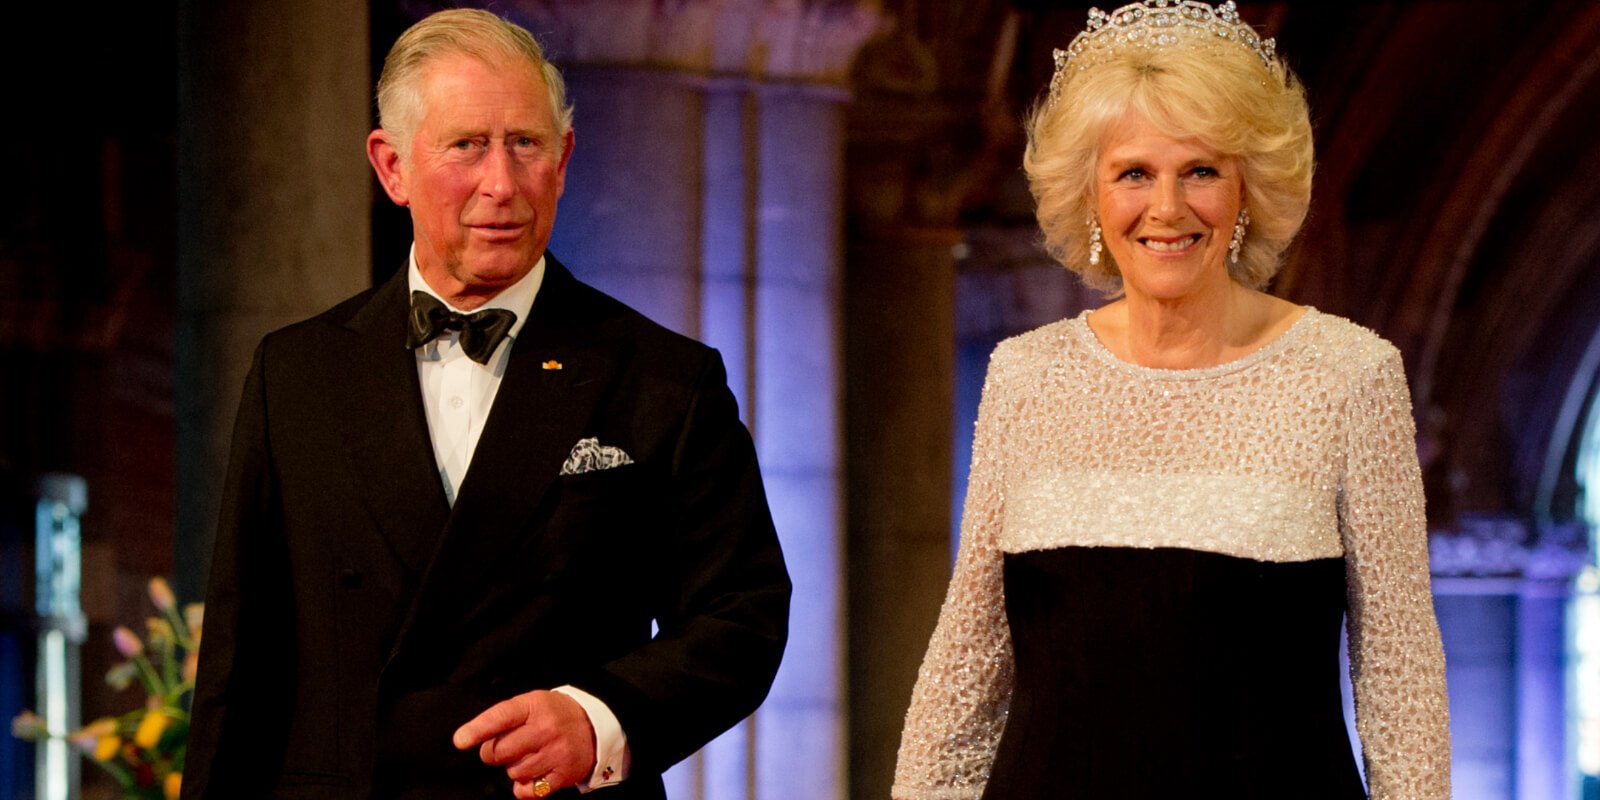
535	735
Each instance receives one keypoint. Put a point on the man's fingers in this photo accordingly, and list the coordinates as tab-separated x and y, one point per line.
523	790
514	744
536	736
531	767
498	717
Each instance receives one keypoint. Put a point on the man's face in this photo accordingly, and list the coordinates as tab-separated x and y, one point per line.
481	175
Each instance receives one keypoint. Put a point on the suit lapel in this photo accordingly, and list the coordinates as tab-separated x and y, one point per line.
387	432
560	371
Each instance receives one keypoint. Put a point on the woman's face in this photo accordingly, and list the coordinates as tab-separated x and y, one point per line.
1167	209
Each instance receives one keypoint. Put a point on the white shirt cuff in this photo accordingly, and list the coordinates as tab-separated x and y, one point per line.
611	756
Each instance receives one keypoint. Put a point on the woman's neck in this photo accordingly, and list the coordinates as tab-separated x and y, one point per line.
1194	331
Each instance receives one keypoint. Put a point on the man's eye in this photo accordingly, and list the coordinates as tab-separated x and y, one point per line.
525	141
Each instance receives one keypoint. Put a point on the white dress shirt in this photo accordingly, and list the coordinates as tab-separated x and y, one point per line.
457	394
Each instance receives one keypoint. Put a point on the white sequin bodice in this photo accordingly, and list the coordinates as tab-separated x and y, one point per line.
1301	450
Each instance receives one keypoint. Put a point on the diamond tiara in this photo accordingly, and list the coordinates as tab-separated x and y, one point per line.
1154	24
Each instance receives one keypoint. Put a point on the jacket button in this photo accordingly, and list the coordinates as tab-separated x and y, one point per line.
350	578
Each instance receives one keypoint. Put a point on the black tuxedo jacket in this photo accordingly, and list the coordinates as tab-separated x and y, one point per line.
354	618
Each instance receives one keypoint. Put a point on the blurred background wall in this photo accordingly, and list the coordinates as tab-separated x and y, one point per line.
829	192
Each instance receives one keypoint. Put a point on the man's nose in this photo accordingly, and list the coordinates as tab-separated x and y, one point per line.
498	179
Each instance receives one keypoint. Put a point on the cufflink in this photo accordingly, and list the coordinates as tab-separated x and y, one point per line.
552	364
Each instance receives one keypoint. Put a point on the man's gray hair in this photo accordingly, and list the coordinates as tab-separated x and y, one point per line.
461	31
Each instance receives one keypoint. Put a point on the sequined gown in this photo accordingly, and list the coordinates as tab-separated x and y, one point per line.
1153	569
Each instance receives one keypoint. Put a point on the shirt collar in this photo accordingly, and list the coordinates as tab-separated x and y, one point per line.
516	298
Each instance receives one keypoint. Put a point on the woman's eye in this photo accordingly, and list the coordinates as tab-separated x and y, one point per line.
1134	174
1205	172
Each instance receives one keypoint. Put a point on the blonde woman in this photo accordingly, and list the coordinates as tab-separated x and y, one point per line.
1177	497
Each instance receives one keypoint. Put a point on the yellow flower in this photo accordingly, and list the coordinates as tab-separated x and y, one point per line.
160	630
88	737
150	728
172	785
121	675
29	726
194	616
107	748
161	594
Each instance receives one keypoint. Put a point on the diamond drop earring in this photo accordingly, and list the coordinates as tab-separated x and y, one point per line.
1237	244
1094	242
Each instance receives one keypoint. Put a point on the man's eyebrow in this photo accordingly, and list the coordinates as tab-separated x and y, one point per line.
536	131
451	134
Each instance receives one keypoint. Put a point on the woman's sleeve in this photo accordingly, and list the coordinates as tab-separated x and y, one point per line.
958	708
1396	660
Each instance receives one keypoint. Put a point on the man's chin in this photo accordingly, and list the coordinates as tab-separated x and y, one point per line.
497	271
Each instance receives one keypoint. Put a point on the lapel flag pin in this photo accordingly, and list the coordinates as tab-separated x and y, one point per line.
552	364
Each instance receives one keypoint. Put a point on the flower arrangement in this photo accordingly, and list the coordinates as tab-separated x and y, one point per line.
144	748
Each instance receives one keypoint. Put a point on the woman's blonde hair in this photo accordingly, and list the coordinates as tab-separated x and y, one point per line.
1216	92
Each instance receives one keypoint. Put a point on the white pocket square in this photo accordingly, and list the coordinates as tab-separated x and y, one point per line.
588	455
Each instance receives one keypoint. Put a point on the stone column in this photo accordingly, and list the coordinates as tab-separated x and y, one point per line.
927	297
705	191
274	201
1501	588
797	367
900	346
1544	768
1479	631
629	221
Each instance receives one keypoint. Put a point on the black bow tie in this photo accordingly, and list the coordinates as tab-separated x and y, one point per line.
481	331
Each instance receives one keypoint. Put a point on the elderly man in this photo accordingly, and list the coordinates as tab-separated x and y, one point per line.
458	502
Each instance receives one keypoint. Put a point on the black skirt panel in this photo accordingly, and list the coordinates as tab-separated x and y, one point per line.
1168	673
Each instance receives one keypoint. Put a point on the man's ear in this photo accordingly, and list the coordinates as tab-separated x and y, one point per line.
386	161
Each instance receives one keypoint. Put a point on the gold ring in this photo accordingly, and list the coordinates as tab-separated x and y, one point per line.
541	788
